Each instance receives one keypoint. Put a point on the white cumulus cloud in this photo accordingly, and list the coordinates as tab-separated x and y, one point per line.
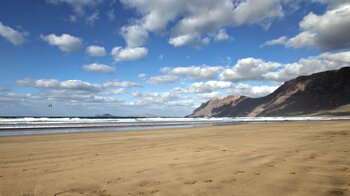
249	69
209	86
160	99
123	84
203	97
193	22
251	91
162	79
10	34
95	67
67	88
141	76
279	41
76	85
193	39
134	35
194	72
95	50
42	83
310	65
328	31
222	35
65	42
129	54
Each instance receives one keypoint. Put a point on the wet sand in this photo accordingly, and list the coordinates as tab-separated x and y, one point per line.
284	158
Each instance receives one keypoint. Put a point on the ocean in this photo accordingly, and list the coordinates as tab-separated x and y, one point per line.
11	126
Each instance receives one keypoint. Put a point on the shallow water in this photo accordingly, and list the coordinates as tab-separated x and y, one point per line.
52	125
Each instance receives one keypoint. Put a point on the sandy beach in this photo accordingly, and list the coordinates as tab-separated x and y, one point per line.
285	158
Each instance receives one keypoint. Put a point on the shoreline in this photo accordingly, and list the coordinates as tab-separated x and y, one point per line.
144	127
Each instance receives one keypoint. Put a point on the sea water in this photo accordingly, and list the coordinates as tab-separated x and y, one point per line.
52	125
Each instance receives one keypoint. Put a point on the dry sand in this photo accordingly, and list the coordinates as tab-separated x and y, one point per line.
289	158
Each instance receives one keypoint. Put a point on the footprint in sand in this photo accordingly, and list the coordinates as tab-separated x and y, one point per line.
342	169
229	180
84	190
113	180
191	182
154	191
140	171
148	182
338	192
240	172
312	156
143	183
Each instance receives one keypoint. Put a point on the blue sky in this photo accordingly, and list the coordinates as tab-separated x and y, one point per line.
131	57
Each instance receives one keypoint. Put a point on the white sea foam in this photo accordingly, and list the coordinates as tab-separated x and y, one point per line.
63	124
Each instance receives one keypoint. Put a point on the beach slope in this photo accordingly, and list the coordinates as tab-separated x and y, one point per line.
285	158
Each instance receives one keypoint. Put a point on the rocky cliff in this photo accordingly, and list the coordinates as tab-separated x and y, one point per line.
304	95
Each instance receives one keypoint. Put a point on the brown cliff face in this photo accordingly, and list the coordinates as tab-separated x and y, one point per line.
304	95
209	108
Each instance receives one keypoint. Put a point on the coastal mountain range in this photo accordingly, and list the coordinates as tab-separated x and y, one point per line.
323	93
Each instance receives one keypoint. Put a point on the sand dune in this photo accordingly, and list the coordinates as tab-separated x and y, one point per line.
290	158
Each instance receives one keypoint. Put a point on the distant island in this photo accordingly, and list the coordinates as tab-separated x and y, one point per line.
323	93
